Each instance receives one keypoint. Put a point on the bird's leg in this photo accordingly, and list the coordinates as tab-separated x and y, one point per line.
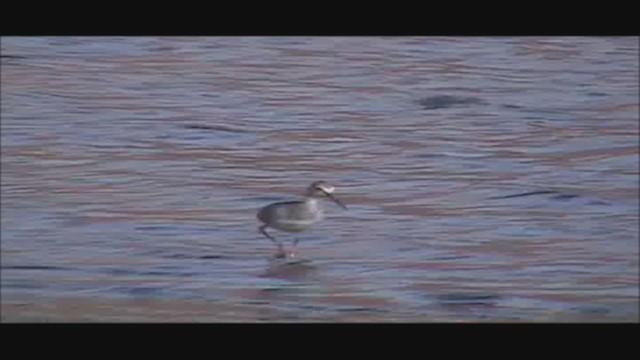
280	253
294	252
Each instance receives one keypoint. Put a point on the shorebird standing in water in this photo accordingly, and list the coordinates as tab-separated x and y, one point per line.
296	216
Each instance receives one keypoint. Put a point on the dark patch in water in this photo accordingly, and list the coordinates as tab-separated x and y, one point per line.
163	48
558	196
23	286
598	202
187	256
446	101
151	228
143	291
509	106
256	302
408	248
429	155
592	310
137	291
12	57
210	257
212	128
178	256
167	273
32	267
156	273
452	257
313	307
119	272
564	197
541	192
274	290
286	269
467	299
360	310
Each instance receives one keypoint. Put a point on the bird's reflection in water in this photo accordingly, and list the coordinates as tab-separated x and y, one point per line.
286	301
289	267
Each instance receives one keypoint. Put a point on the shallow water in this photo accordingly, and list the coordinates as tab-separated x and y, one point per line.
133	168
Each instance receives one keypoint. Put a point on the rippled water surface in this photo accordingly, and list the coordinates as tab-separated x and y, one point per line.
487	179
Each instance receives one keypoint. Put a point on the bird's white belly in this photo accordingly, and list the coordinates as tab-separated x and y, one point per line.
294	217
298	222
294	225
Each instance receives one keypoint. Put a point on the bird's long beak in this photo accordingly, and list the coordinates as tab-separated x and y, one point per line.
335	199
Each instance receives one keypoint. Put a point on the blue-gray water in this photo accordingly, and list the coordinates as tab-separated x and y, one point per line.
132	170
